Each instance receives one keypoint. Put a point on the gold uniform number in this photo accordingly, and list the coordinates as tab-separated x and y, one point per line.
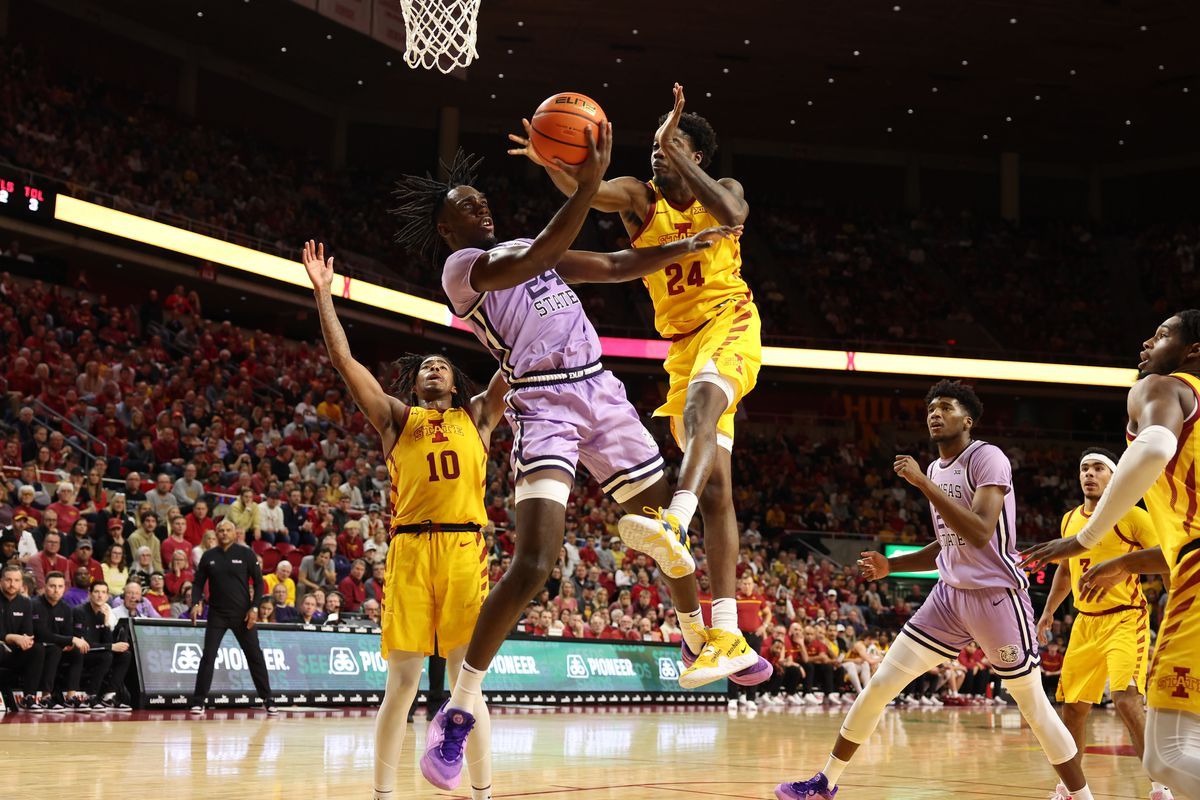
677	284
448	461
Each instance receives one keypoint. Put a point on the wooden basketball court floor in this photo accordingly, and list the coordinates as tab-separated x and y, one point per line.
602	753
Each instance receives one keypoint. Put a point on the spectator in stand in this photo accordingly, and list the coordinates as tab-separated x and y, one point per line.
146	536
23	529
133	488
82	559
48	560
270	518
309	614
73	535
333	608
157	597
244	514
352	588
133	603
296	521
49	525
1052	662
118	511
282	576
284	611
29	477
187	489
199	523
25	504
643	586
115	567
371	610
20	652
207	542
177	541
330	410
178	581
376	546
101	670
350	543
168	456
81	584
143	566
317	573
64	507
376	584
784	684
54	630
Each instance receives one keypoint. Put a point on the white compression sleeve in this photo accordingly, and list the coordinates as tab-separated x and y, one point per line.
903	662
1035	706
1138	469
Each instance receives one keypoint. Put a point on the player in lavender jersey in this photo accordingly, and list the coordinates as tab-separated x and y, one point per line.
981	595
564	407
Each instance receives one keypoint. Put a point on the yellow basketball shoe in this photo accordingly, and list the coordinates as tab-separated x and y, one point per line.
723	655
660	536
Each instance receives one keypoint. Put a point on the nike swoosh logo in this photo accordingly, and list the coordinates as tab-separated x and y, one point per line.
464	544
998	602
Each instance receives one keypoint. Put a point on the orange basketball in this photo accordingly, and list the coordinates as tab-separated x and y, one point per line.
560	124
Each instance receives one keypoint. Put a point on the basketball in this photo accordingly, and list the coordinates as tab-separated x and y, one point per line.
560	127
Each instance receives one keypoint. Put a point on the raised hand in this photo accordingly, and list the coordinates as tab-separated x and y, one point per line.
590	173
873	565
908	468
666	132
320	271
525	148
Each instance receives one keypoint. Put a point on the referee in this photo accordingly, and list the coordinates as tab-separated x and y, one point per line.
237	582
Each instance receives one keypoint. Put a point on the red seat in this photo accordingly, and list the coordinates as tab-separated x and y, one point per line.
295	557
270	559
260	546
305	549
284	547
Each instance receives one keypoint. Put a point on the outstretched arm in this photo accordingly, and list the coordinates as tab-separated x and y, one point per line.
512	266
381	408
487	407
580	266
622	195
723	198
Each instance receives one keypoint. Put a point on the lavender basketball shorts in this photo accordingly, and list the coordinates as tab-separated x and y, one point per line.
1000	620
587	421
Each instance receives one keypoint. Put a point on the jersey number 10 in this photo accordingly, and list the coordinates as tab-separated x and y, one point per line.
449	464
675	280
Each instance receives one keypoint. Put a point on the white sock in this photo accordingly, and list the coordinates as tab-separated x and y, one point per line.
683	507
691	624
724	615
1081	794
833	769
468	690
1155	786
481	794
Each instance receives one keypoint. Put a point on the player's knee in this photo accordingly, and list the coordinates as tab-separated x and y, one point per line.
530	571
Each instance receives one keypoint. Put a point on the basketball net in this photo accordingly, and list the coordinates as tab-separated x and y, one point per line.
440	33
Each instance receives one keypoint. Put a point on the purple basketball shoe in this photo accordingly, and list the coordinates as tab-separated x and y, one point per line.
443	760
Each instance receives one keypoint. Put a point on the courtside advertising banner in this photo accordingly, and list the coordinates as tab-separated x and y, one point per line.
343	666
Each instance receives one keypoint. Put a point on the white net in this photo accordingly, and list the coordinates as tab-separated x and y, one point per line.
440	33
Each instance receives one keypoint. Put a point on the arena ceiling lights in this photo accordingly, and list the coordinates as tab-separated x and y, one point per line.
139	229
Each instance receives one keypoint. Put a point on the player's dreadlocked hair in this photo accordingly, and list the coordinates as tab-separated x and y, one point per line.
405	386
955	390
700	132
420	200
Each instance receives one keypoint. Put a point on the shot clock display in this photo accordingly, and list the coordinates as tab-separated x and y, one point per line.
19	197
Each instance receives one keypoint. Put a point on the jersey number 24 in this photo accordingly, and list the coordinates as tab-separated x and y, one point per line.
675	279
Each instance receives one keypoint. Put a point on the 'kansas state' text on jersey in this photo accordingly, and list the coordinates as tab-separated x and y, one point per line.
539	326
960	564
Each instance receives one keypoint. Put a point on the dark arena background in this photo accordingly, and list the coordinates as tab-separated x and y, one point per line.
999	192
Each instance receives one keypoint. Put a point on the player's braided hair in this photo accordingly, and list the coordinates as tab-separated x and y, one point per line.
956	390
700	131
405	386
420	199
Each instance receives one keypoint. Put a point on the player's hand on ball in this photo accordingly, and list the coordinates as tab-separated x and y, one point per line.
908	468
590	173
525	148
320	271
874	566
1099	578
710	236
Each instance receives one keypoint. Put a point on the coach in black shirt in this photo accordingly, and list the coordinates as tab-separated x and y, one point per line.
54	629
19	651
236	584
106	660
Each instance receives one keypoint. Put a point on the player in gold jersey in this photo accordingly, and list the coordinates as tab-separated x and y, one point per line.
1161	464
435	435
1111	638
704	307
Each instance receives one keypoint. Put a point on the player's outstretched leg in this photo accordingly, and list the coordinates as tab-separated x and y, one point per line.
391	723
905	661
541	518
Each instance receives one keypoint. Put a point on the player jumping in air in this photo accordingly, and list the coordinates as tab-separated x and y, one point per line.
1160	465
435	433
1110	639
981	594
564	406
704	307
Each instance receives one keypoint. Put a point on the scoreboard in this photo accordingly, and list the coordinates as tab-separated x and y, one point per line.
21	197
